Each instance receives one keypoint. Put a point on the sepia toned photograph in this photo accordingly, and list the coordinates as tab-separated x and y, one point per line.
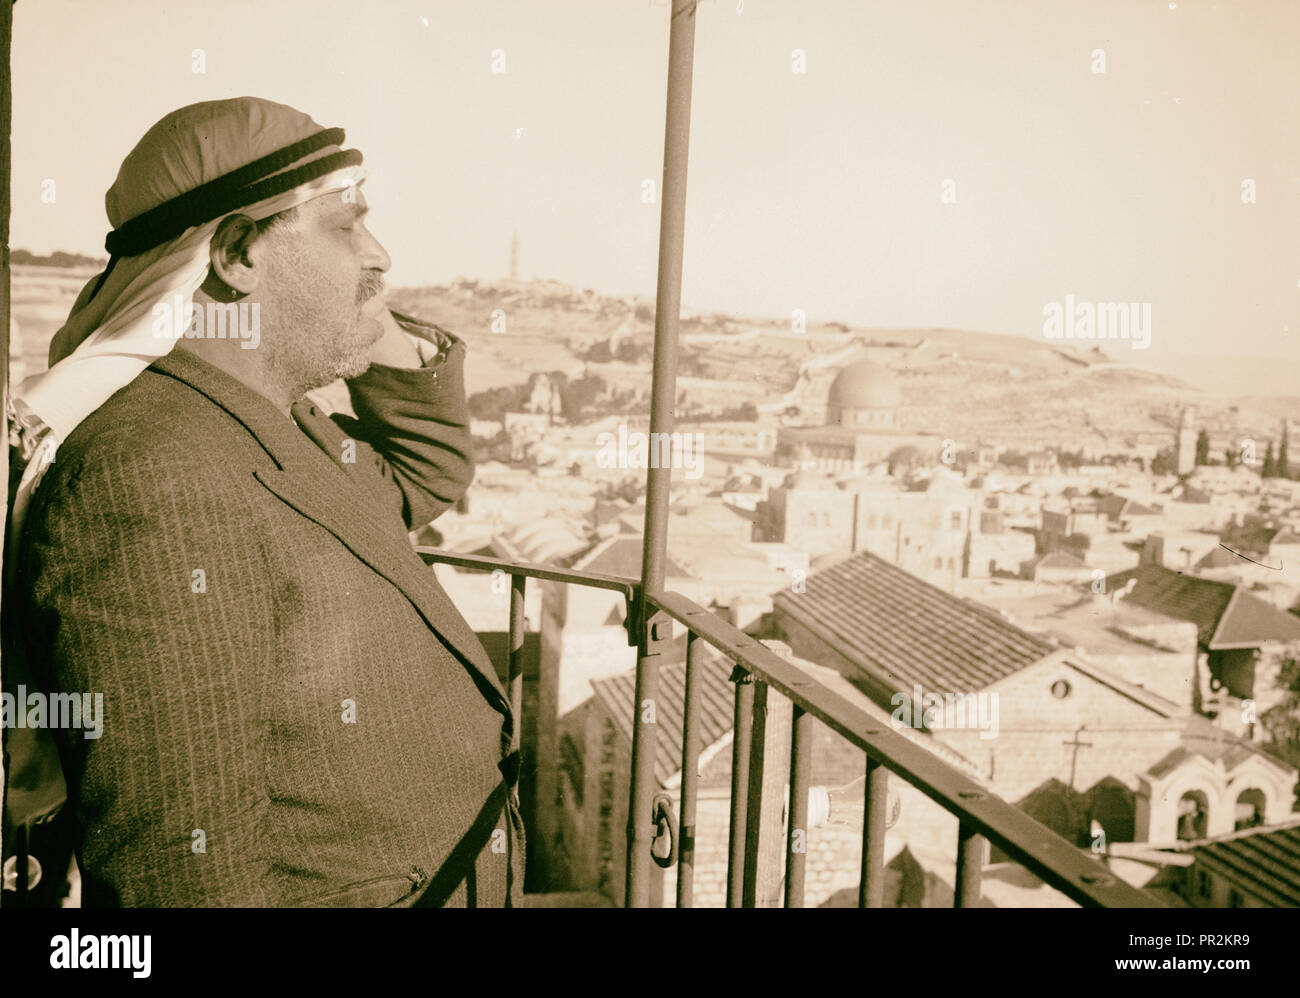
652	454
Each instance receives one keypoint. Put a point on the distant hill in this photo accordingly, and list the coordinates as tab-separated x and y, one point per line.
964	384
56	259
968	385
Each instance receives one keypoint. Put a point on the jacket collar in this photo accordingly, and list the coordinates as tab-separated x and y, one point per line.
307	480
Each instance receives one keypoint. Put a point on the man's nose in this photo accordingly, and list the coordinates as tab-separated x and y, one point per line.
374	256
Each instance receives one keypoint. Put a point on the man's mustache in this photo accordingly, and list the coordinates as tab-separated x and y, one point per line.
372	283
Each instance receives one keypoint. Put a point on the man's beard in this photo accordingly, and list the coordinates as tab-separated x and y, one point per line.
307	353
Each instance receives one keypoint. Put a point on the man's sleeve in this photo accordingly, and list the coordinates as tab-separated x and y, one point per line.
415	425
149	597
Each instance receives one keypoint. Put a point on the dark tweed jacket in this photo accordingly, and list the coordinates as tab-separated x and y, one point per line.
295	712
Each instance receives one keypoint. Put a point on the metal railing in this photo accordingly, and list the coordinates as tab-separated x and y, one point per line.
982	817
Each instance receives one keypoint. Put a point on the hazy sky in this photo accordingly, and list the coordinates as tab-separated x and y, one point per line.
817	191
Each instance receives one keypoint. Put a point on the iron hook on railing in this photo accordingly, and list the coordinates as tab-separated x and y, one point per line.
665	828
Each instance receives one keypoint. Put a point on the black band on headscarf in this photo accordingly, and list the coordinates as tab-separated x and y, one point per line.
244	186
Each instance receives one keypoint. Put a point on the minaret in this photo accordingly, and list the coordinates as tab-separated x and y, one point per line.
1185	442
514	255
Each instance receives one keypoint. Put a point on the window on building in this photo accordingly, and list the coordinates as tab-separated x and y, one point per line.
826	519
1250	809
954	520
1235	899
887	521
1193	815
812	519
1203	886
938	562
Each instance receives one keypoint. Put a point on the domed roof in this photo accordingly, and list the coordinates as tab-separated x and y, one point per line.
864	385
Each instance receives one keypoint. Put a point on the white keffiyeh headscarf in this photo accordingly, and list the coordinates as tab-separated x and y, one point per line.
195	167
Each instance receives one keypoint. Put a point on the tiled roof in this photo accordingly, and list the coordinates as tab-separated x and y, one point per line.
1060	559
1256	538
621	555
1152	701
1183	597
1219	557
1225	615
1117	506
618	693
717	710
1249	619
901	630
1265	862
1210	742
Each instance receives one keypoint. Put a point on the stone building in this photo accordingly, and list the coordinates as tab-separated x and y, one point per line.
861	426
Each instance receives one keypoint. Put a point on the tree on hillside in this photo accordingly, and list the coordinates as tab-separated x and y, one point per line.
58	258
904	460
1231	458
1283	462
1202	447
494	403
1270	465
1069	459
579	395
1163	462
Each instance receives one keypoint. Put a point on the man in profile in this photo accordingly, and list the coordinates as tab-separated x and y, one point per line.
294	711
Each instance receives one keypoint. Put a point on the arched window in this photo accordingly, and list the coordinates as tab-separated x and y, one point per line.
812	519
1193	816
826	519
1250	809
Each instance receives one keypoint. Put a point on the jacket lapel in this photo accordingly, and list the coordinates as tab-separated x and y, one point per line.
308	481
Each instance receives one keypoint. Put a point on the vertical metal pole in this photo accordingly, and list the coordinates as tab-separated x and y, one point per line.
663	397
515	666
970	863
6	121
768	778
871	887
690	774
742	729
797	826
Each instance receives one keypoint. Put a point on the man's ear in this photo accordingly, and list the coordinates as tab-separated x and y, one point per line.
233	262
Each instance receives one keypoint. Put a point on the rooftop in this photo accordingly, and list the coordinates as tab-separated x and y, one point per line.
717	694
902	631
1225	615
1263	861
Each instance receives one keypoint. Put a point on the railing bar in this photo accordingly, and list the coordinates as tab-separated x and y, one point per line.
1050	857
755	796
742	728
480	563
970	862
645	735
796	853
1045	854
515	666
871	887
690	775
